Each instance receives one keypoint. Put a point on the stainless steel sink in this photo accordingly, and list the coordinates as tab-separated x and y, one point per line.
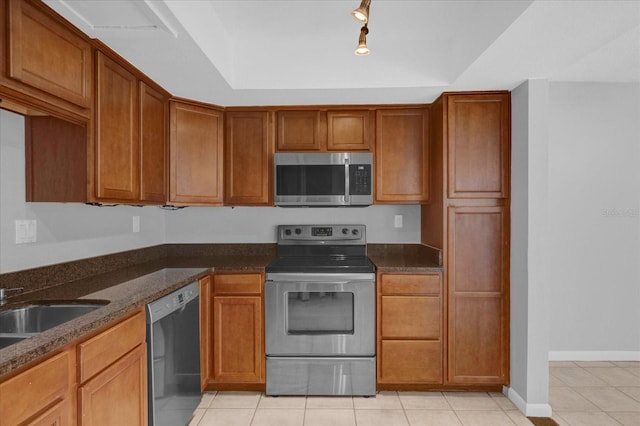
37	318
9	340
20	323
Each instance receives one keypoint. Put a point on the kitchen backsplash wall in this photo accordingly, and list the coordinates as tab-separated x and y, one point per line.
258	224
64	231
75	231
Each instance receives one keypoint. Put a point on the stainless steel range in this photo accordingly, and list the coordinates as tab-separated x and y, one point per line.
320	312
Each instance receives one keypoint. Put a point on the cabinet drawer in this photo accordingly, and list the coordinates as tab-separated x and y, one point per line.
28	393
410	284
99	352
410	317
413	361
237	284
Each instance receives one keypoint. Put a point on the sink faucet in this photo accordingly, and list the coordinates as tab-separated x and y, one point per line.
3	294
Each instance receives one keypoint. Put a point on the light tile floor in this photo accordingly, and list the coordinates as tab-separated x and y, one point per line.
581	394
595	393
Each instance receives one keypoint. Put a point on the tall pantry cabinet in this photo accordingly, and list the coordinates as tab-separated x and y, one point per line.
468	218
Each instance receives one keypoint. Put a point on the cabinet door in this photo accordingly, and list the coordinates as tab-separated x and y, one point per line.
299	131
153	145
350	130
238	352
478	142
402	157
45	390
118	395
56	160
205	287
478	295
196	146
46	54
117	155
248	155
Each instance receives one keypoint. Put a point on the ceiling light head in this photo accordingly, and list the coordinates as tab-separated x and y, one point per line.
362	49
361	14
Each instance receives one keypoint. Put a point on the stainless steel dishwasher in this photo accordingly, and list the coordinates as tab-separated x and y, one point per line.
173	357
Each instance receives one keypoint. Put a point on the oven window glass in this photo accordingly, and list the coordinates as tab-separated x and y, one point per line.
319	312
310	180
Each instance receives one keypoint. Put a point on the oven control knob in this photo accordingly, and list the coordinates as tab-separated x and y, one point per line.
298	231
354	232
287	232
345	231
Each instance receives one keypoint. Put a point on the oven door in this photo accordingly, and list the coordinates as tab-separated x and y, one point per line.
320	314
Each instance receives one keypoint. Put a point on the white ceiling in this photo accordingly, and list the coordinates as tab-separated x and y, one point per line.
271	52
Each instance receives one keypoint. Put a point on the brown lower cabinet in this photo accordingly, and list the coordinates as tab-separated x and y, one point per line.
99	381
478	288
232	331
410	335
43	394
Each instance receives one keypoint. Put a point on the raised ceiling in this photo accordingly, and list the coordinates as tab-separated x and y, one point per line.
257	52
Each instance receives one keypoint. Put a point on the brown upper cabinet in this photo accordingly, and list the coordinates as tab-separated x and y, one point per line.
153	144
350	130
322	130
195	154
118	157
299	131
46	63
248	158
402	156
131	134
478	143
117	151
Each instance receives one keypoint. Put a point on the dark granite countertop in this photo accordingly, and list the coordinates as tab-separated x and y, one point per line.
130	293
129	280
407	258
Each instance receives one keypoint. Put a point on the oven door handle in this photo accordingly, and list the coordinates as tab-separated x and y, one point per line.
319	278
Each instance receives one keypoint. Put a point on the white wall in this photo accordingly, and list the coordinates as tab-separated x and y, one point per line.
258	224
75	231
64	231
594	204
529	388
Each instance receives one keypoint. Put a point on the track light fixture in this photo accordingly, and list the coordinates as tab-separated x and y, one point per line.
362	49
361	14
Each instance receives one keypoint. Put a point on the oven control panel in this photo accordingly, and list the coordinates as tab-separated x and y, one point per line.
322	234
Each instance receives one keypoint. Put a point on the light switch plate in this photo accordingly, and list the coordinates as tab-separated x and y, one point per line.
26	231
136	223
397	221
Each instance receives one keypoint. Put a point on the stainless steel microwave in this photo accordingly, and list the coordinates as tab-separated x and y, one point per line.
323	179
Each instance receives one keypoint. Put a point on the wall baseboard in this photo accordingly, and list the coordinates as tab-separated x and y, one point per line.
594	355
529	410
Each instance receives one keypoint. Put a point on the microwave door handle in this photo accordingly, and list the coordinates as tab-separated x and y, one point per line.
346	180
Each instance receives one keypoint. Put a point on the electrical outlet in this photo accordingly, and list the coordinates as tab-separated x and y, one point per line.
136	223
397	221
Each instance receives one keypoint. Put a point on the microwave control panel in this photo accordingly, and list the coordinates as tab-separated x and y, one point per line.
360	179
